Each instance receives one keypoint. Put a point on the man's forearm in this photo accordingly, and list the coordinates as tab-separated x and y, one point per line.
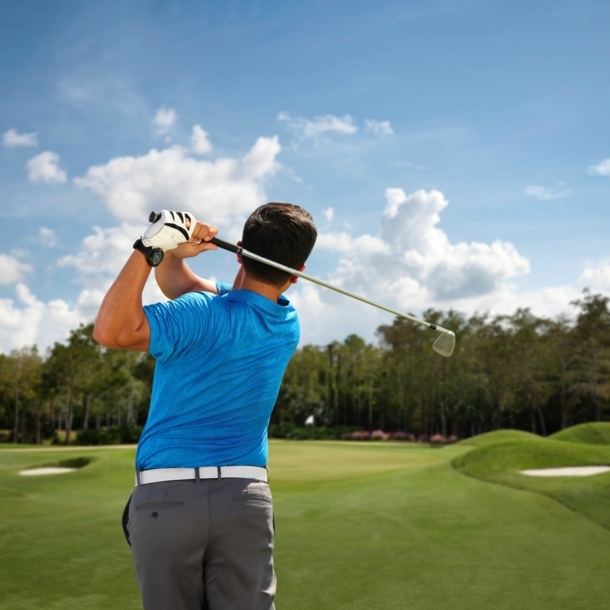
175	278
121	322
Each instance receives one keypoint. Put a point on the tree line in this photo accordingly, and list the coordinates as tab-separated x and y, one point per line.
510	371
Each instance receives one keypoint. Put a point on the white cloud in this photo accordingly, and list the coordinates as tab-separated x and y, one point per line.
600	169
27	320
410	265
164	120
596	276
378	128
544	193
30	321
47	237
304	128
200	143
12	270
103	253
12	138
328	214
220	190
411	259
45	168
410	245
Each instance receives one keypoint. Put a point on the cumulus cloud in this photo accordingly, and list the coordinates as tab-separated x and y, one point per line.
329	123
12	138
12	270
45	168
600	169
545	193
411	257
103	253
164	120
596	276
200	143
378	128
26	320
408	264
224	189
29	321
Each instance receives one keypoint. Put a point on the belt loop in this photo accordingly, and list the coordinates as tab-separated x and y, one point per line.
219	473
138	482
197	475
267	469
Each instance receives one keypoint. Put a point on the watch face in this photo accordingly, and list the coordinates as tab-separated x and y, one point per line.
156	257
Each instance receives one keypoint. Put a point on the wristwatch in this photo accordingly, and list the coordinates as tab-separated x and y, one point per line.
153	255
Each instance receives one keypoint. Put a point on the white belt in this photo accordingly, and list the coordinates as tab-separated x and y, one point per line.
158	475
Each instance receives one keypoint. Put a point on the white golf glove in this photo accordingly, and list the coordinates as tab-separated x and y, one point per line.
169	230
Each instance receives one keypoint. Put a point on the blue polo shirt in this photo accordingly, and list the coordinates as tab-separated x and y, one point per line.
220	360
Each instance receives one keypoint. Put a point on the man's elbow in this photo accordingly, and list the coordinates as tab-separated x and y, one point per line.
102	336
125	339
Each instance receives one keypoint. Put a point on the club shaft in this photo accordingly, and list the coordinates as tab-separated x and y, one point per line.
238	250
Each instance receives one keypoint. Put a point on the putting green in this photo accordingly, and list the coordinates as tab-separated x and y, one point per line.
359	525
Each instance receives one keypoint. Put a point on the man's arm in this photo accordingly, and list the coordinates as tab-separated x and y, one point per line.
174	276
121	322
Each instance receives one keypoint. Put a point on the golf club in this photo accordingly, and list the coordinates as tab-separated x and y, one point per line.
444	344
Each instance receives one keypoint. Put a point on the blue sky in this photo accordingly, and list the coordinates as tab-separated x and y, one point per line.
455	154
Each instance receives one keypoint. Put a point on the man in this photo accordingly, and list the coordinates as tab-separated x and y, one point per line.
200	520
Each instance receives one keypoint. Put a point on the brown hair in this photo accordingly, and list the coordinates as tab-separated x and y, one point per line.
282	232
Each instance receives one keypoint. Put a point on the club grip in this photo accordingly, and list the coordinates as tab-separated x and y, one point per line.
225	245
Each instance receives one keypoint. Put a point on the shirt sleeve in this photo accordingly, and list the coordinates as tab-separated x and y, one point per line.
223	288
178	326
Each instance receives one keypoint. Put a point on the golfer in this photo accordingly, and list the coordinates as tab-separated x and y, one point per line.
200	520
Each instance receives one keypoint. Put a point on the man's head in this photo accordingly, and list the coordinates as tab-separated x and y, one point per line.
282	232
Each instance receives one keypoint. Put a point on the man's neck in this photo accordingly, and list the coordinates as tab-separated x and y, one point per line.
244	282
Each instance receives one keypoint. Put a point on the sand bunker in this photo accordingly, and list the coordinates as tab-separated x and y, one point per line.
573	471
47	470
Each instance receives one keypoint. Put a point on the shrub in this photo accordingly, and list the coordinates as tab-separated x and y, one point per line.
437	439
113	435
356	435
402	436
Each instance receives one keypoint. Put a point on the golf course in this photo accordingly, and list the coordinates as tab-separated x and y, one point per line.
359	525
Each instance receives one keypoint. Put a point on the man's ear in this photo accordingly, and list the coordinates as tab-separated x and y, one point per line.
293	278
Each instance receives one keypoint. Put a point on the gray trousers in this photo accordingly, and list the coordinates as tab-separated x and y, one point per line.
203	544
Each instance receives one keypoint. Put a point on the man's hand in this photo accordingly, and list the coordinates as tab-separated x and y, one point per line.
199	241
174	276
170	230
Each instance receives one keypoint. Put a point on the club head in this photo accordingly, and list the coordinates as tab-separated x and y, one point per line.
444	344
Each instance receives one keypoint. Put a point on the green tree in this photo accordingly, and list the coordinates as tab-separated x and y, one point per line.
20	378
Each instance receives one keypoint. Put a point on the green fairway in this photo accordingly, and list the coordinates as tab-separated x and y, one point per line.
359	526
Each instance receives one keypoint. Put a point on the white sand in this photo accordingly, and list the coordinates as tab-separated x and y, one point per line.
39	471
573	471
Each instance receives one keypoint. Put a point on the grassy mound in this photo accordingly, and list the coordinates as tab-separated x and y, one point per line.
597	433
501	462
496	436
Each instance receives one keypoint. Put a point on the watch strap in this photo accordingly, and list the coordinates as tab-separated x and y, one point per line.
153	255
